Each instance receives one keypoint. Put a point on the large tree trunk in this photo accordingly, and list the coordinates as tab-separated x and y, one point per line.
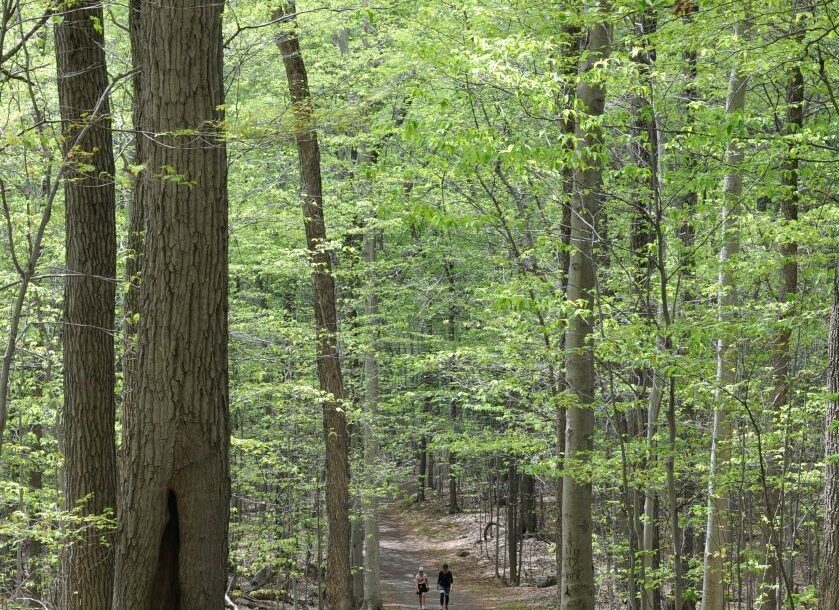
172	541
89	302
338	578
372	584
577	584
829	593
718	495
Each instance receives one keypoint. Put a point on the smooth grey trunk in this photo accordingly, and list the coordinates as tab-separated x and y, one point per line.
577	583
649	539
713	587
357	555
372	571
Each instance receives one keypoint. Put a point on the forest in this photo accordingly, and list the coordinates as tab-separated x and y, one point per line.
295	295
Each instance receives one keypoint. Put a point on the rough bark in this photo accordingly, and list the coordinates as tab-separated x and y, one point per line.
713	587
172	539
338	577
577	583
89	302
829	590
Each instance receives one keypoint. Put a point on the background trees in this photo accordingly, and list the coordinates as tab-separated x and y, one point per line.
449	137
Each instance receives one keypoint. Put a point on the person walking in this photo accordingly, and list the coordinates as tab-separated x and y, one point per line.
445	579
422	586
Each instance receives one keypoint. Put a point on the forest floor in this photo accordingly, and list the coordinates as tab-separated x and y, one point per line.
426	536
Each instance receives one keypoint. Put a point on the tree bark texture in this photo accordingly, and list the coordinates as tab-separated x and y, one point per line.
829	593
577	583
713	587
338	577
172	539
89	302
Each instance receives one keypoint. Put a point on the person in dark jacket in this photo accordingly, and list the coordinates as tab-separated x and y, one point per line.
444	584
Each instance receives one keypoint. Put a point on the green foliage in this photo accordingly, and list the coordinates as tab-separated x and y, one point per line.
441	130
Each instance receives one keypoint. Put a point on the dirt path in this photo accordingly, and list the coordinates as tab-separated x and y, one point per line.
401	554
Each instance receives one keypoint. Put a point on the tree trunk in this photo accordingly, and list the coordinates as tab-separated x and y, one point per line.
429	470
782	357
89	302
454	506
684	549
512	520
571	39
357	556
338	577
372	584
577	584
829	593
136	226
718	495
527	502
643	236
422	457
172	539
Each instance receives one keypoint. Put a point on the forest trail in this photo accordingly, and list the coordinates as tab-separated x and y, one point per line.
401	553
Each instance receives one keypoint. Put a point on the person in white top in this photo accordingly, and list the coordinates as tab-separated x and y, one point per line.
422	586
